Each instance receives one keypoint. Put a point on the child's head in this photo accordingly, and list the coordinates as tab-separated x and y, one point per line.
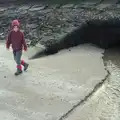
15	28
15	25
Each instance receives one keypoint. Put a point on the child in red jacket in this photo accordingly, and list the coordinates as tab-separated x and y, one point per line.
16	39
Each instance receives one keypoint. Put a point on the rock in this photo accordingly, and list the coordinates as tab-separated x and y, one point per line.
46	38
68	6
2	10
22	8
40	46
32	26
103	6
49	25
36	8
4	76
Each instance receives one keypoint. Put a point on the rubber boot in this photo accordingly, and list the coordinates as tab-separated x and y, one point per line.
19	70
25	65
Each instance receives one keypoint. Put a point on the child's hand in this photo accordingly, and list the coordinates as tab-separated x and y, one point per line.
25	48
7	47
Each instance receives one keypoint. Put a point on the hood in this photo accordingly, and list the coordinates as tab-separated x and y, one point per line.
15	23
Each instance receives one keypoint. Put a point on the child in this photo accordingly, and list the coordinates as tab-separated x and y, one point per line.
16	39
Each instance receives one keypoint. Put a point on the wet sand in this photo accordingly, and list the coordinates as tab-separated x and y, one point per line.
51	86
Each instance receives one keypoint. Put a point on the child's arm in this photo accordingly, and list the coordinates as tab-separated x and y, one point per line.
8	41
24	42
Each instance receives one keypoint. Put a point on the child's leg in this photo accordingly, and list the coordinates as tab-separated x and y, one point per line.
18	57
24	64
14	54
18	61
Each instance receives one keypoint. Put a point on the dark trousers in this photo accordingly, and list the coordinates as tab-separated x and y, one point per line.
17	56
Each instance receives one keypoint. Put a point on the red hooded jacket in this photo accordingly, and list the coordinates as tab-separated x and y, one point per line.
16	39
